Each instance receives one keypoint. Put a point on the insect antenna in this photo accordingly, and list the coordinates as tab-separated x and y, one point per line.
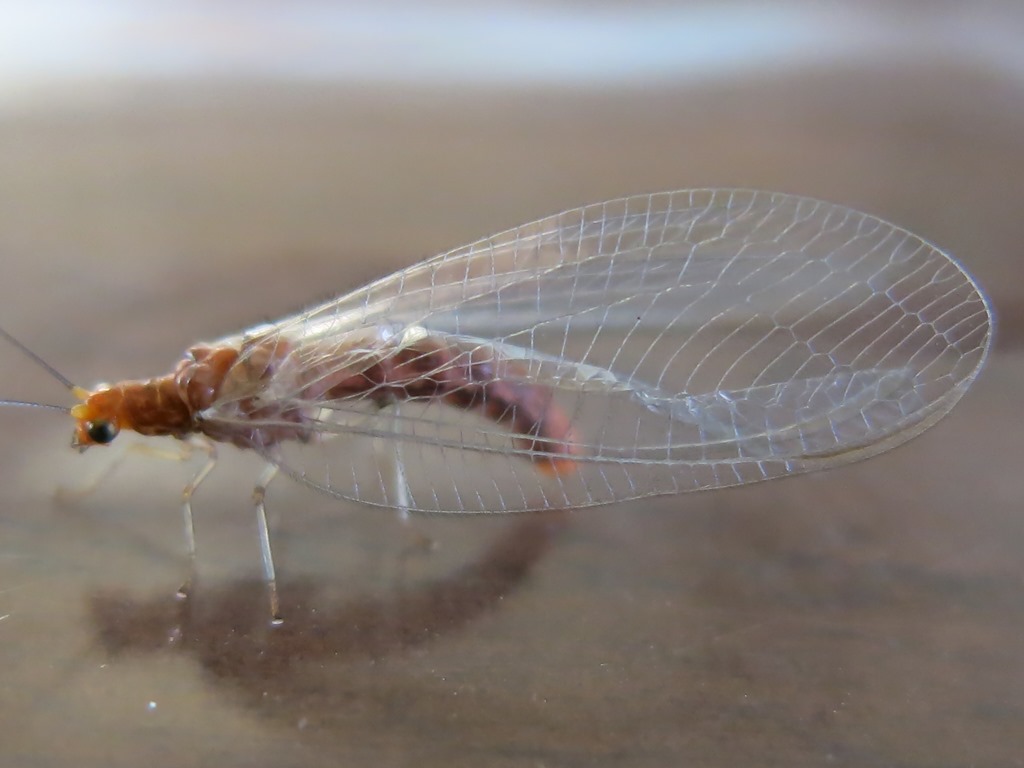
30	404
46	367
38	360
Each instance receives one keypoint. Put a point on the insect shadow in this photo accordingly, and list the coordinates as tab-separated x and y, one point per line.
225	629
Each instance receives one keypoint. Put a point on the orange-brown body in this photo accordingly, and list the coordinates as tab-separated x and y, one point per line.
174	405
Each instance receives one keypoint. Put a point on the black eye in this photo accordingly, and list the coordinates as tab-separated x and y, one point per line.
101	432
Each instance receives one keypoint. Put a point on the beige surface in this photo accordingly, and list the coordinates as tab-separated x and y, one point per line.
866	616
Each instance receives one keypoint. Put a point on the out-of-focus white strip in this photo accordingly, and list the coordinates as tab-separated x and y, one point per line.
68	41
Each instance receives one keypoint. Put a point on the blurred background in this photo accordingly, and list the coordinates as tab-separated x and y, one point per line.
174	172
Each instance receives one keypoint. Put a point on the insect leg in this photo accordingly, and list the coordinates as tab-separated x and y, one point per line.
391	465
259	493
73	494
399	483
419	543
210	450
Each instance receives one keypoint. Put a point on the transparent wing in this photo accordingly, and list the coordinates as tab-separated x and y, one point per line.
654	344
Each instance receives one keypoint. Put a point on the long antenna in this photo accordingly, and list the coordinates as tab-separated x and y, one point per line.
29	404
40	362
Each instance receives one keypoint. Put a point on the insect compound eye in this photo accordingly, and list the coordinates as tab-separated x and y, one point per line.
101	432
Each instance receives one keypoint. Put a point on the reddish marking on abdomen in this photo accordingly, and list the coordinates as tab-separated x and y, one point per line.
528	410
467	379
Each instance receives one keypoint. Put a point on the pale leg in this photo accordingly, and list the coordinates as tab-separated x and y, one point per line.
183	452
392	463
388	453
73	495
392	468
186	510
399	484
258	495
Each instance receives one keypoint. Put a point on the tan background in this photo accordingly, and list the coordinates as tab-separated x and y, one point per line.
871	615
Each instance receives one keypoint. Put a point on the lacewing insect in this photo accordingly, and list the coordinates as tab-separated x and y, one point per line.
655	344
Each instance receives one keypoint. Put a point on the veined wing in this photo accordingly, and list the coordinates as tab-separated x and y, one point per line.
680	341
